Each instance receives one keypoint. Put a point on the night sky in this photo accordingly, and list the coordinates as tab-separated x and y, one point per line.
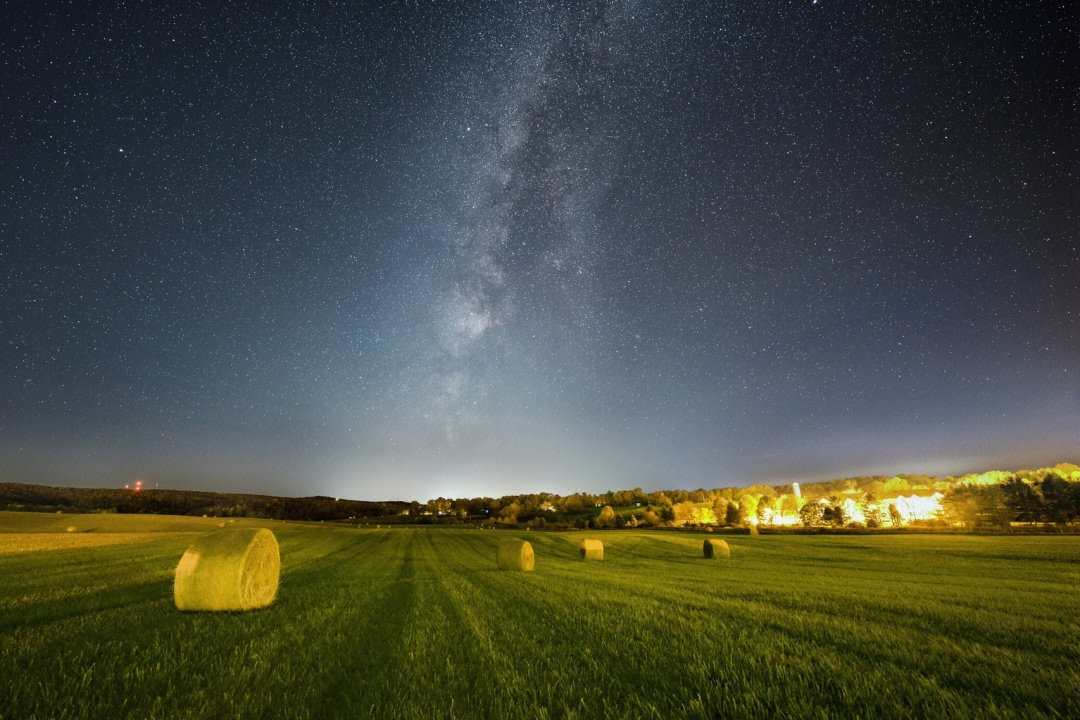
475	249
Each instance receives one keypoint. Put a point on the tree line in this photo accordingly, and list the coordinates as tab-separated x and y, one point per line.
18	496
1052	500
991	500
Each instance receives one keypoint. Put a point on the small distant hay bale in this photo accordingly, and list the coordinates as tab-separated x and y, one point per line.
233	521
231	569
59	512
72	528
515	555
715	549
591	549
221	524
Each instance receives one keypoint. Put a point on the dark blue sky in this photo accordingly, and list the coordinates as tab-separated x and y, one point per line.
474	249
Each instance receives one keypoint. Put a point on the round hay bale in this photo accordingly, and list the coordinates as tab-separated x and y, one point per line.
515	555
231	569
72	528
221	524
591	549
716	549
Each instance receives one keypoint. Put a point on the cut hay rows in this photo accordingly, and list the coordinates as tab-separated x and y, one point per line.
591	549
231	569
515	555
33	542
716	549
417	623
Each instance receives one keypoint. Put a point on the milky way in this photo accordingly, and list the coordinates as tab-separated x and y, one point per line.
471	249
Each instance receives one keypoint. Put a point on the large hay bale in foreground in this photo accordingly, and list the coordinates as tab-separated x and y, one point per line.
715	549
231	569
515	555
591	549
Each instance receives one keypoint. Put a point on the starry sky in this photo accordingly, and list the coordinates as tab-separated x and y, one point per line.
408	250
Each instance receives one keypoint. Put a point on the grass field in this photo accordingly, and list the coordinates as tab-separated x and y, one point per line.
417	623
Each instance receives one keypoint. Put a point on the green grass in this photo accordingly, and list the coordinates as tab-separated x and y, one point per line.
33	522
417	623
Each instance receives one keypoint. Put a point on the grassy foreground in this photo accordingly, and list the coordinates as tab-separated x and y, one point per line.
417	623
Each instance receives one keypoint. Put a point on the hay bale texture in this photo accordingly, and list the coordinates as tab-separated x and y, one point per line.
716	549
231	569
515	555
591	549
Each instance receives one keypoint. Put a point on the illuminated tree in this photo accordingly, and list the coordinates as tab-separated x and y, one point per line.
606	517
961	505
812	515
720	508
684	512
749	505
870	511
509	514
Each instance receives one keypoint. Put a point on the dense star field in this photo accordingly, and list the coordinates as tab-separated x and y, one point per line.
419	623
410	250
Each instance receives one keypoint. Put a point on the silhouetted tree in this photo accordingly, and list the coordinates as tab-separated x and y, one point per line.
1023	502
1061	499
837	516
